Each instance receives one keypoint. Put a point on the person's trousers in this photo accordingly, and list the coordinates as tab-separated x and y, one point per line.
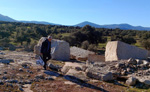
46	57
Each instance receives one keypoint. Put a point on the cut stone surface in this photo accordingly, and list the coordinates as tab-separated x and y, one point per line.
117	50
60	50
79	54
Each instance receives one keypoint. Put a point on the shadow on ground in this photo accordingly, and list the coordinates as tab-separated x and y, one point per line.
74	80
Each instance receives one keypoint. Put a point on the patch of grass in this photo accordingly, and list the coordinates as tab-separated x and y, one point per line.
101	45
65	34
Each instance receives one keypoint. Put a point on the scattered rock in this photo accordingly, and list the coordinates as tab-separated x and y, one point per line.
20	69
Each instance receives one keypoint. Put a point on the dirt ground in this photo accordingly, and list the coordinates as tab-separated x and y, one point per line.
29	77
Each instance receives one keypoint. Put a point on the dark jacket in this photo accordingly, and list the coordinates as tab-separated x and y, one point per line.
46	47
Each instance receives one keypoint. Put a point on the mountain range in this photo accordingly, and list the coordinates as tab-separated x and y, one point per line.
111	26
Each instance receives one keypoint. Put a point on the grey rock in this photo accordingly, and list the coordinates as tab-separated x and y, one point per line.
20	69
99	74
79	54
131	81
132	61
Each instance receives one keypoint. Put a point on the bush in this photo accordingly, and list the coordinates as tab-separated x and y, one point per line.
92	47
85	45
146	44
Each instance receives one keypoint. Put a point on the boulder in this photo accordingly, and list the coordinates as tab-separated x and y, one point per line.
60	50
117	50
79	54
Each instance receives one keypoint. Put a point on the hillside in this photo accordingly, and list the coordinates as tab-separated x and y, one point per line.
113	26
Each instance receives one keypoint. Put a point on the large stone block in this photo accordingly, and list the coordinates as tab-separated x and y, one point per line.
117	50
79	54
60	50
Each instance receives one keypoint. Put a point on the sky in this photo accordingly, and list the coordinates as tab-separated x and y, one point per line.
71	12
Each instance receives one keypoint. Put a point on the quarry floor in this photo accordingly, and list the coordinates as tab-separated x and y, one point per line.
57	82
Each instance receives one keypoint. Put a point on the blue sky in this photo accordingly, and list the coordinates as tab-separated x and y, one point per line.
70	12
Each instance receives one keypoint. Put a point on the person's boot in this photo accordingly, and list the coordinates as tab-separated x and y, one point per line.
44	67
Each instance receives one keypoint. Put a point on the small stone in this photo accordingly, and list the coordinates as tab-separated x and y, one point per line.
49	78
1	82
4	77
20	69
5	72
132	61
39	76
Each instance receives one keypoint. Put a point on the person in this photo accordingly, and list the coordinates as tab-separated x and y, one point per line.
46	50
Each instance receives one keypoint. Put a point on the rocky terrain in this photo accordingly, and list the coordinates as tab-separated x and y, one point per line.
21	73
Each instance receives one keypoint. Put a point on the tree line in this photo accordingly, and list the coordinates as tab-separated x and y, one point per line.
26	35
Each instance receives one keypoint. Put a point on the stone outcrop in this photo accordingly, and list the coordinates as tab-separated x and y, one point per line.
60	50
79	54
117	50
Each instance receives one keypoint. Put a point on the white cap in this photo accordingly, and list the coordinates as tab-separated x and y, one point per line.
49	37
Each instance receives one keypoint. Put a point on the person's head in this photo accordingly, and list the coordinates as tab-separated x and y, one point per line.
49	38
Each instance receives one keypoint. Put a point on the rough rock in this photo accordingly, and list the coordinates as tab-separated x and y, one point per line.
70	65
99	71
79	54
117	50
132	61
131	81
60	50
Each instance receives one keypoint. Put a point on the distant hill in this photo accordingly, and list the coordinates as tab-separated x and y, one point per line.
113	26
6	18
39	22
